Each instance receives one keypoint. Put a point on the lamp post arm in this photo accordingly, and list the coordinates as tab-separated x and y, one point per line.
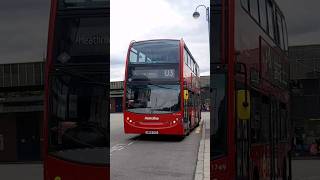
207	11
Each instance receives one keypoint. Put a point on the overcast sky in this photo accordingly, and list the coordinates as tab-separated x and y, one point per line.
23	30
157	19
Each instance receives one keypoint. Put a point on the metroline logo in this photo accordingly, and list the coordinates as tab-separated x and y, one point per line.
84	39
151	118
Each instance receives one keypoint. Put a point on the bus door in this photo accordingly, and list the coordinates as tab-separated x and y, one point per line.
266	133
243	148
192	110
186	110
274	138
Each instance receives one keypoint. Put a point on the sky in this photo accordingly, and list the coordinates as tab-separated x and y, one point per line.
23	30
157	19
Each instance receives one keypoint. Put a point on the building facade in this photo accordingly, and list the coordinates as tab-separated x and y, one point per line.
21	111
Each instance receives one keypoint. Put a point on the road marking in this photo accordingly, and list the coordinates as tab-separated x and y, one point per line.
119	147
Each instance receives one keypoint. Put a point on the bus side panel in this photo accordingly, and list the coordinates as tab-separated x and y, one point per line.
74	171
50	44
258	52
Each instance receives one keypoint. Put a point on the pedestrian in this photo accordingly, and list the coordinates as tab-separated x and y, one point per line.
313	149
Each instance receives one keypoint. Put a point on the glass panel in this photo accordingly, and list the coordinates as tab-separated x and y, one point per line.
78	119
245	4
166	51
270	19
133	55
219	140
285	34
142	58
254	9
263	14
188	60
280	32
153	99
81	39
185	56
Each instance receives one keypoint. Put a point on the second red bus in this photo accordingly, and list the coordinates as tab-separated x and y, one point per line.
161	88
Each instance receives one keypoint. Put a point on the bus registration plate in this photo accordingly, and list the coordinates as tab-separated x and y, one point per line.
152	132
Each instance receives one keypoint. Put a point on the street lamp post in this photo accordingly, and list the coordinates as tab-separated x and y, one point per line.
196	14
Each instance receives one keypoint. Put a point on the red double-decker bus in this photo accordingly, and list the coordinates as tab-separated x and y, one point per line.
161	88
76	118
250	127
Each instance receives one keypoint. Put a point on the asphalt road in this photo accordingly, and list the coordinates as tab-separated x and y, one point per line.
306	169
21	172
152	157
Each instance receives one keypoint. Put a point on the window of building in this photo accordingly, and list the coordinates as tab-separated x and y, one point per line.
270	18
263	14
254	9
245	4
285	35
279	31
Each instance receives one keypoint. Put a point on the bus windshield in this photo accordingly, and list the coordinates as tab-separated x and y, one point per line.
152	98
157	51
78	119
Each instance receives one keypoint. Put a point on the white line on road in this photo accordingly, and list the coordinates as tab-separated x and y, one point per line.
119	147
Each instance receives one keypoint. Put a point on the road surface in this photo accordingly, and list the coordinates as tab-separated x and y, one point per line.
306	169
152	157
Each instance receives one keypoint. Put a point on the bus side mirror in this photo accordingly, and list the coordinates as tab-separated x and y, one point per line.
185	94
243	104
